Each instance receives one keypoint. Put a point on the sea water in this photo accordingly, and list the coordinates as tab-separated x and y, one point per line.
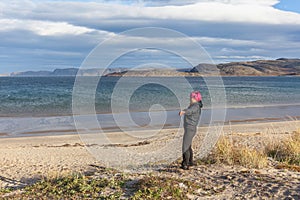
34	105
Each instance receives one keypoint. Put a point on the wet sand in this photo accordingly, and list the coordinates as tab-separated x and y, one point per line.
16	126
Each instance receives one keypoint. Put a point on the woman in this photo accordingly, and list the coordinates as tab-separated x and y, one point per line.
191	119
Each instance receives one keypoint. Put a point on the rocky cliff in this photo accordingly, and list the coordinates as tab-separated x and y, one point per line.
279	67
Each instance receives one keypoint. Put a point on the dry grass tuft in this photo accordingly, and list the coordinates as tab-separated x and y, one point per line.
295	168
286	151
228	153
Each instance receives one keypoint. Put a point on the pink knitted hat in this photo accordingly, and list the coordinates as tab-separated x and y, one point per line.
196	95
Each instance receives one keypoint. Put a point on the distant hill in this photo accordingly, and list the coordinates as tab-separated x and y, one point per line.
4	75
153	72
279	67
31	73
65	72
57	72
68	72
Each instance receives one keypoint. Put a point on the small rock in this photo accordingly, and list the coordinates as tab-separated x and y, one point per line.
244	170
190	196
181	185
257	172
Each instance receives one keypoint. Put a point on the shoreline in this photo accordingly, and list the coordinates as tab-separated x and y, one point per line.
167	127
62	125
227	129
27	115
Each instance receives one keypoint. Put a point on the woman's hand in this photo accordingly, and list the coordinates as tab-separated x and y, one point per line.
181	113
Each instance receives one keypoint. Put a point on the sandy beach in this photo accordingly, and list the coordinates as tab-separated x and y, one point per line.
26	159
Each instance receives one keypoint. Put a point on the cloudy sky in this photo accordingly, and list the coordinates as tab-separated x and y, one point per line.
44	35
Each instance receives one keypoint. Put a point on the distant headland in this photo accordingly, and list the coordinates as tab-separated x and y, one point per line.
278	67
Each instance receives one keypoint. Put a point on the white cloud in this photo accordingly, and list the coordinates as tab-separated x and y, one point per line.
186	2
254	57
44	28
225	41
241	11
234	11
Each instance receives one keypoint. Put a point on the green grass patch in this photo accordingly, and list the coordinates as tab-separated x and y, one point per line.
75	186
78	186
154	187
6	190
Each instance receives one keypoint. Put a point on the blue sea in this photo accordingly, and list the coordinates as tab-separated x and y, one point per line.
34	105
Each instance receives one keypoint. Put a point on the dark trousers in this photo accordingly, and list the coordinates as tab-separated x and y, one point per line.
187	151
187	157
